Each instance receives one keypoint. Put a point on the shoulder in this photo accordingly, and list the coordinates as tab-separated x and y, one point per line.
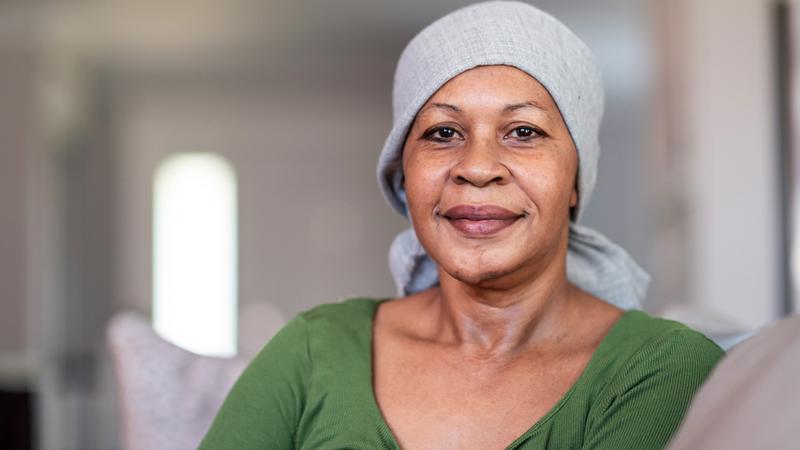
647	373
318	324
343	310
337	328
640	339
266	405
662	351
352	315
646	336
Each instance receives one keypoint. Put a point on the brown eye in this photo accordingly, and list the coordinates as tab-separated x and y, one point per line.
446	133
525	133
441	134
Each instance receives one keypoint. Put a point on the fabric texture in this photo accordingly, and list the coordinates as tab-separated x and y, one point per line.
751	400
311	388
167	396
519	35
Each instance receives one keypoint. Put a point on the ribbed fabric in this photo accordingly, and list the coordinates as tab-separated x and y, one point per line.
311	388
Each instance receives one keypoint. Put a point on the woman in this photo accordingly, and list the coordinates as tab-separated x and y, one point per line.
512	330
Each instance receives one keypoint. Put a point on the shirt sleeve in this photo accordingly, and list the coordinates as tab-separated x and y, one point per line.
643	407
263	408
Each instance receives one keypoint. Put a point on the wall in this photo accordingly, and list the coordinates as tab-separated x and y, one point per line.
313	224
16	91
726	123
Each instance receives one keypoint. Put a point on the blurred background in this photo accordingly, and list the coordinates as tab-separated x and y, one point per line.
210	165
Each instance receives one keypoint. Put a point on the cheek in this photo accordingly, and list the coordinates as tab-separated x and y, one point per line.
548	182
424	181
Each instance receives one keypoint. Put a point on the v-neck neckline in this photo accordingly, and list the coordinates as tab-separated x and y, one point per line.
387	431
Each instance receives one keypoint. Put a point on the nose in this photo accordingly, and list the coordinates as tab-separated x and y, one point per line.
480	165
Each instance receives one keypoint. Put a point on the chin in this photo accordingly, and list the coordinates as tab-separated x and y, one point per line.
474	278
475	270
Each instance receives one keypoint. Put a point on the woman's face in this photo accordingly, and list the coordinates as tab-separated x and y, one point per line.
490	176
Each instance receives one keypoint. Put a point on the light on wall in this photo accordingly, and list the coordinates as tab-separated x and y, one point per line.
195	253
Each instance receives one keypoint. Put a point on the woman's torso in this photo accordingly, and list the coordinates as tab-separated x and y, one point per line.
311	388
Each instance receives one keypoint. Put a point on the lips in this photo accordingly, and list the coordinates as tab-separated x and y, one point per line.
480	221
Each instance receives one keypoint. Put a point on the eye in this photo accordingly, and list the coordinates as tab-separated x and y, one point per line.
525	133
441	134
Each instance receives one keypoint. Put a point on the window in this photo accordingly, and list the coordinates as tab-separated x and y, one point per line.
195	253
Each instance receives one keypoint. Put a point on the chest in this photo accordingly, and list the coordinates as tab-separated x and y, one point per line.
431	399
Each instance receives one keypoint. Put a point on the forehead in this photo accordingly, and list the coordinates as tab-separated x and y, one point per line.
491	85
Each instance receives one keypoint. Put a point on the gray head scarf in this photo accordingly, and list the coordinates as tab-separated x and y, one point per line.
519	35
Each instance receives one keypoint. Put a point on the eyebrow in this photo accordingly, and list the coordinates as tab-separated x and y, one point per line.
528	104
444	106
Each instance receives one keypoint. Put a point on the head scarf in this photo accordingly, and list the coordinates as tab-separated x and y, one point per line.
519	35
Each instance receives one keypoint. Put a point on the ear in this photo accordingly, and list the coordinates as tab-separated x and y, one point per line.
573	198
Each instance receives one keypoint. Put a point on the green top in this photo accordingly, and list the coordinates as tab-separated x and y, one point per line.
311	388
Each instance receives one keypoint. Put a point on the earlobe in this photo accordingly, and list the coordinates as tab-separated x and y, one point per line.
573	198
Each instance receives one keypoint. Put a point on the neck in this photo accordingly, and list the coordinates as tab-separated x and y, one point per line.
500	322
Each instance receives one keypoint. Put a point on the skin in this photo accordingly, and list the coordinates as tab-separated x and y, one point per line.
475	362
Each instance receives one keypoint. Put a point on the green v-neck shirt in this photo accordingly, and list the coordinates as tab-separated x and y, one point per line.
311	388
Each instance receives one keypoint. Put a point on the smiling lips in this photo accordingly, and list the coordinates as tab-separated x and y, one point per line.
480	221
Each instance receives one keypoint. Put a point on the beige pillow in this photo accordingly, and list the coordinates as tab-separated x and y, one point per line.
751	400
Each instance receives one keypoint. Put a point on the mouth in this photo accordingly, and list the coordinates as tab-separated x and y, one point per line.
480	220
